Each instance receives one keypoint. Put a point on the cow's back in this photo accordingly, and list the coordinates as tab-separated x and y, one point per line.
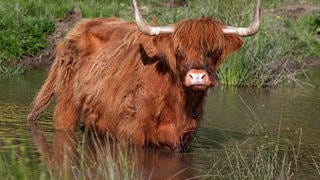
104	76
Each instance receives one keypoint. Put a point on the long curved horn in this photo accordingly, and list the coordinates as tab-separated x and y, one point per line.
147	29
247	31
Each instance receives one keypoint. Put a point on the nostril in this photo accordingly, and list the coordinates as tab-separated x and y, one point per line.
203	76
197	76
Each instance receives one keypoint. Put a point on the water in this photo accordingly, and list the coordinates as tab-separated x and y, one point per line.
232	117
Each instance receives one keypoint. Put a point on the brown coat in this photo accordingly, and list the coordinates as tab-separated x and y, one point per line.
133	87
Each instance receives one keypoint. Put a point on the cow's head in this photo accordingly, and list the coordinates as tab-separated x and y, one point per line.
195	48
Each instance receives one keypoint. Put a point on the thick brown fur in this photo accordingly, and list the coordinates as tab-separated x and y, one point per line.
130	86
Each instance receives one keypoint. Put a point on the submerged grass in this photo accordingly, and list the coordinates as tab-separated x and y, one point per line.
66	156
266	161
261	155
266	158
316	164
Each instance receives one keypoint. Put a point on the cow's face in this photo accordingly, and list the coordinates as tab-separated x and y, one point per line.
196	69
195	50
199	45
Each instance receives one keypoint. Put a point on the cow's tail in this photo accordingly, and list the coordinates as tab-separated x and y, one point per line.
45	95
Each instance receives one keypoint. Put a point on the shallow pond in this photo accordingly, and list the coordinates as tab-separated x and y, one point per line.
233	117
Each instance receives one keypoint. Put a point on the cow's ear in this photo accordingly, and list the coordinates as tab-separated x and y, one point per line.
232	43
164	51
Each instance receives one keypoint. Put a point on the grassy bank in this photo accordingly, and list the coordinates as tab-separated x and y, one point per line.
278	53
285	39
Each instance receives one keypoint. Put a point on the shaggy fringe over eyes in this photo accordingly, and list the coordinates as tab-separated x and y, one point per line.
195	38
200	35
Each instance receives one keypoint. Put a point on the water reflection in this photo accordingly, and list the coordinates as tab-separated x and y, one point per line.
62	154
291	114
66	153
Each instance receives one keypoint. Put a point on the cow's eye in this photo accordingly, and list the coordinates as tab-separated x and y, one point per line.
214	55
209	54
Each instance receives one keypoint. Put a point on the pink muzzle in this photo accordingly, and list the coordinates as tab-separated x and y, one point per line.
197	78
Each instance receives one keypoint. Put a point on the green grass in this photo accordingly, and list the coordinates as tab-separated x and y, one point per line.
26	24
259	153
18	163
264	156
23	32
282	40
90	158
269	160
264	153
316	164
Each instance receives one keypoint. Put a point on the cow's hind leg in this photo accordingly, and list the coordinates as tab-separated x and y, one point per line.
65	114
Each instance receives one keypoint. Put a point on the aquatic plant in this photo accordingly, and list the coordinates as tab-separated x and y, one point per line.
263	155
68	159
72	156
316	164
270	159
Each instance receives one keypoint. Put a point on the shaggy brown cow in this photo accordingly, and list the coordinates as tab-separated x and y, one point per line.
137	83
